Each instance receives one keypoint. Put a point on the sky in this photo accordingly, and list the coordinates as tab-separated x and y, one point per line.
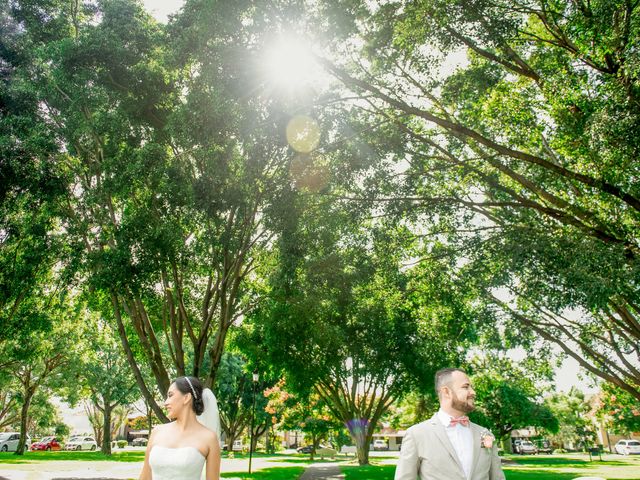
161	9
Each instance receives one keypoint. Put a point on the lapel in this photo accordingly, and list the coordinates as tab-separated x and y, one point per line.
476	432
441	434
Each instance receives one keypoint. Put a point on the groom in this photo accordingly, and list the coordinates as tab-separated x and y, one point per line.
448	446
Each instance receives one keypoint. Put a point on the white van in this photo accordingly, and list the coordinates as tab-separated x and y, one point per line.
9	441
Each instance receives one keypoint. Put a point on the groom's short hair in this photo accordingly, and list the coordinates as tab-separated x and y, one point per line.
443	377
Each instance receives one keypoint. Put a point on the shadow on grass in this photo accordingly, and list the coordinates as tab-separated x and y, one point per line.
545	475
567	462
368	472
306	460
33	457
275	473
537	475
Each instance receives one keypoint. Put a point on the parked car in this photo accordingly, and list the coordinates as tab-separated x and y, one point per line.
524	446
379	444
628	447
81	443
321	451
237	446
544	446
9	441
140	442
47	444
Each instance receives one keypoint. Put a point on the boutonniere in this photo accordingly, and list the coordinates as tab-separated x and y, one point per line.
487	439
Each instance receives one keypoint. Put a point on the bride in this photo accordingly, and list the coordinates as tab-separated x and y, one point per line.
179	450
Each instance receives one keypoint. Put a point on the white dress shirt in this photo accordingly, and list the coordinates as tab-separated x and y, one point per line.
461	439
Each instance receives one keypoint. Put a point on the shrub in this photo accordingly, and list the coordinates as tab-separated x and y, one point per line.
122	443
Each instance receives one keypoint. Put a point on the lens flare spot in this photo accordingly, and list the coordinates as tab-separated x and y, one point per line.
303	133
308	173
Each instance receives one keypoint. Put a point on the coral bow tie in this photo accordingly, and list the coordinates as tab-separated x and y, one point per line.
464	421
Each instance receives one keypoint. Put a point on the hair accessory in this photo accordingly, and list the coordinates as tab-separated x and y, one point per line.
192	389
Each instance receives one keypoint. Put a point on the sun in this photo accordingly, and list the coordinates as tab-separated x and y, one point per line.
289	62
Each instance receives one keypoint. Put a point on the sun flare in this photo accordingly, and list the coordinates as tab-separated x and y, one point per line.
289	62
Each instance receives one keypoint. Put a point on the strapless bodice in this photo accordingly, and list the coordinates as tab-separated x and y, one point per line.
183	463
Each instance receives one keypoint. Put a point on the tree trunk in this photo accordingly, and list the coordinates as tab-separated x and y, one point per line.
258	431
254	443
361	435
149	418
231	437
24	418
106	428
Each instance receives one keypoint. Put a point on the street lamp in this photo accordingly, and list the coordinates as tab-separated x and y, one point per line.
256	377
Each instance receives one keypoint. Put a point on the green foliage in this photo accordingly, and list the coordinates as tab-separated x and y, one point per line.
508	398
44	417
573	412
37	360
173	180
520	162
313	417
618	409
234	393
412	408
61	430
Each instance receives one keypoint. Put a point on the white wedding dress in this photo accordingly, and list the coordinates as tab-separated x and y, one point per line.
184	463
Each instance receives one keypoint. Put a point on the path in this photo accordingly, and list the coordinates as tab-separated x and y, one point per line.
110	470
322	471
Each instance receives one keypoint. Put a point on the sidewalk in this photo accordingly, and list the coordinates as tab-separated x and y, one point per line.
322	471
109	470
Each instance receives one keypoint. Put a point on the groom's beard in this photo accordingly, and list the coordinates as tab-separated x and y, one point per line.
467	405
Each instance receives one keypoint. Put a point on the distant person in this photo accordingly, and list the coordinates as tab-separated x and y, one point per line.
188	447
448	446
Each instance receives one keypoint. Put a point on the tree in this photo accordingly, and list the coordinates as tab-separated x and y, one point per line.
619	410
105	378
32	186
412	408
233	391
514	157
573	412
173	179
279	402
314	418
61	430
508	398
101	429
345	322
44	416
9	405
39	357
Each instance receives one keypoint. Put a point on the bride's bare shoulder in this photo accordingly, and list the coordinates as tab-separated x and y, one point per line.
208	435
161	429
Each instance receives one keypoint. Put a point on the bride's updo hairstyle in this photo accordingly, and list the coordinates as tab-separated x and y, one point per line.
193	386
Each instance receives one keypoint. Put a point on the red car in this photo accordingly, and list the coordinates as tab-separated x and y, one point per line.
46	443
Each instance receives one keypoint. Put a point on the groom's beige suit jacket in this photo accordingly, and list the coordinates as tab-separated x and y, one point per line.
427	453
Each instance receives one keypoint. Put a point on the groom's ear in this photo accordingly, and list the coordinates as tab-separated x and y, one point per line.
445	392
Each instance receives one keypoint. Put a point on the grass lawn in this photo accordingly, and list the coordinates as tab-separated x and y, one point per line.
276	473
568	467
279	472
130	456
556	467
368	472
30	457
